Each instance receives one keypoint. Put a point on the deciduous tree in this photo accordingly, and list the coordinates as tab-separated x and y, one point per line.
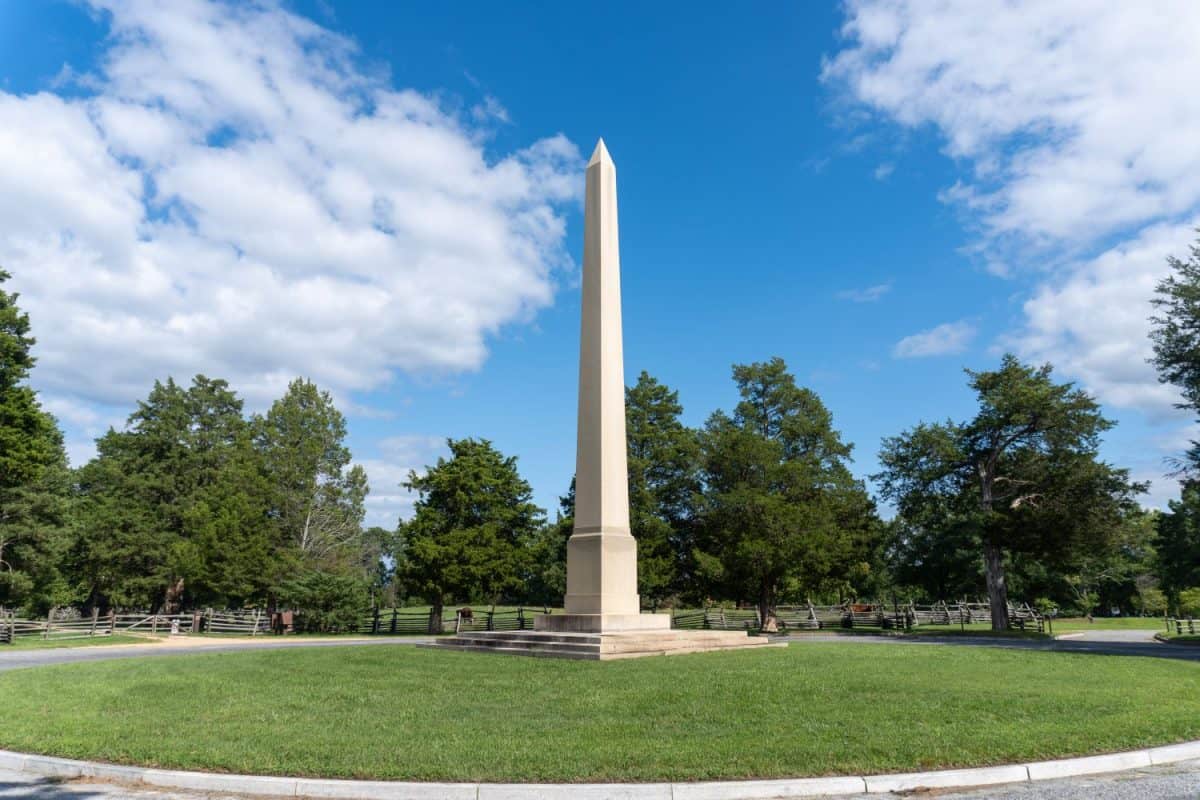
1022	476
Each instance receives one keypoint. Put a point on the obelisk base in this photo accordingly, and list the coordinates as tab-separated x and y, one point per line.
600	646
601	623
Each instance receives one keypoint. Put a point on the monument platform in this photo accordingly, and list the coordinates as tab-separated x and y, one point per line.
600	646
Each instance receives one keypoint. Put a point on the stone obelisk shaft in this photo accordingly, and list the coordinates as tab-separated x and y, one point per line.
601	555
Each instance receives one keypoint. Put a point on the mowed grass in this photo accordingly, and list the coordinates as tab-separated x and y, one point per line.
404	713
1108	623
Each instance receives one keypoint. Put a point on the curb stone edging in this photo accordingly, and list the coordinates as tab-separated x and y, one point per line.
53	767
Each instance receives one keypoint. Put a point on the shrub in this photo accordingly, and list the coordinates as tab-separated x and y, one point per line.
326	603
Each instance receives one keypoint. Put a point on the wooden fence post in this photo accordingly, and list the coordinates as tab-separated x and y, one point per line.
49	624
95	619
394	617
112	621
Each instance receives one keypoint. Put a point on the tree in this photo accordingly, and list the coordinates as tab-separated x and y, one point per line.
1176	337
663	463
33	473
546	578
474	517
1022	476
142	536
1178	543
228	552
1175	334
318	495
780	510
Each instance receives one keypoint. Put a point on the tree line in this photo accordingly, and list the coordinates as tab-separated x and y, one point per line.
196	503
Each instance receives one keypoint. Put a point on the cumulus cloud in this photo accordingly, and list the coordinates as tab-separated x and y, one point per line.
946	339
1075	127
870	294
388	501
1093	322
1077	116
231	193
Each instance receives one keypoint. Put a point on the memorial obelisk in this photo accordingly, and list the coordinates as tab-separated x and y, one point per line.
601	553
602	618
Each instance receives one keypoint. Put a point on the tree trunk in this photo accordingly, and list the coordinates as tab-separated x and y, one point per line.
766	610
993	560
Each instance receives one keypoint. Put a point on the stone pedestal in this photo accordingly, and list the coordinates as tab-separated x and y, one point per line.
600	646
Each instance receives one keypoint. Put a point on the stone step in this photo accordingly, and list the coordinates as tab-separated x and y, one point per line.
571	638
600	646
522	644
543	652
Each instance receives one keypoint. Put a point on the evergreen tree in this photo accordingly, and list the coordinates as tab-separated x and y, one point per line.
546	580
1176	338
1178	544
663	461
780	512
142	535
33	474
474	519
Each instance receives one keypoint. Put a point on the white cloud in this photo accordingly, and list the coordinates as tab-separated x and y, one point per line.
232	194
869	294
946	339
1075	124
884	171
1092	322
398	455
1077	116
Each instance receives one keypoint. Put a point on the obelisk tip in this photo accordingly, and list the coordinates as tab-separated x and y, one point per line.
600	154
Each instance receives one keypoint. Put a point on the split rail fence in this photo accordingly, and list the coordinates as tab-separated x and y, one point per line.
59	627
398	621
62	625
858	616
1181	627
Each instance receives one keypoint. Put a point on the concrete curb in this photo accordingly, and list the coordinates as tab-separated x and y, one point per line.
716	790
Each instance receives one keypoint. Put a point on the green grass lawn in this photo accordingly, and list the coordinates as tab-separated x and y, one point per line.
1068	624
404	713
1181	638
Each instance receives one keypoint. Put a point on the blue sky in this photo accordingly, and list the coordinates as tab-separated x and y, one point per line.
882	194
